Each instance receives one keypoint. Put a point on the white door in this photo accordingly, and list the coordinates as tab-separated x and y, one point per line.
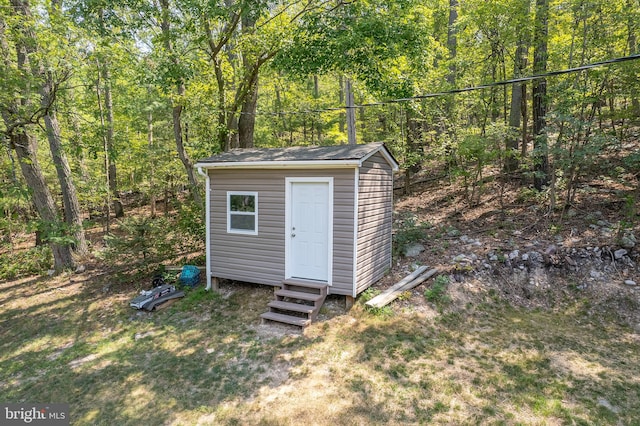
310	228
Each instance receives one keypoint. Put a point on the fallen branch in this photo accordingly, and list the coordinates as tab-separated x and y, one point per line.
407	283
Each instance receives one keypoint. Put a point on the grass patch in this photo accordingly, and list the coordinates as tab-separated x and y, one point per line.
207	360
23	263
437	293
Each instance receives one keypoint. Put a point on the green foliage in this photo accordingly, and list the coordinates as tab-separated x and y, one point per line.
371	39
196	297
15	207
578	149
529	195
59	233
368	294
437	293
140	240
407	232
21	263
190	223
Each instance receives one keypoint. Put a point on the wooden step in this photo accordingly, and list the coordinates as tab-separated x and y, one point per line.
305	283
311	297
288	306
287	319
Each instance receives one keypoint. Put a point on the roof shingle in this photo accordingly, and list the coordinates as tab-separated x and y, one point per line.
297	153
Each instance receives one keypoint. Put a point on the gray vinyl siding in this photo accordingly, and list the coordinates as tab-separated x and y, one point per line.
261	258
375	208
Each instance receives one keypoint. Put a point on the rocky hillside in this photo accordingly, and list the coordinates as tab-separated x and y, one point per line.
511	247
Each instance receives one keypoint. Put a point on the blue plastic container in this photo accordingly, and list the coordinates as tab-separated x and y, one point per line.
190	276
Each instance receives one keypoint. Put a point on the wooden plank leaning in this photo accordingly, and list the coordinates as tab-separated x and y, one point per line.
407	283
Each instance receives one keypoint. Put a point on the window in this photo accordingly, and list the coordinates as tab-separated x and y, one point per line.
242	212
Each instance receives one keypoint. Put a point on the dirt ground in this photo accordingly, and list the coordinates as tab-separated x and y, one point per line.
488	248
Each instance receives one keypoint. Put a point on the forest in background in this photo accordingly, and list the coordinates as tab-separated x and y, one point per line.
103	100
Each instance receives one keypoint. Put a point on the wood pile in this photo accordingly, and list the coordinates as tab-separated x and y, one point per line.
412	280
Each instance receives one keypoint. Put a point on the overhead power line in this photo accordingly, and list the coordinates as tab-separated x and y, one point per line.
461	90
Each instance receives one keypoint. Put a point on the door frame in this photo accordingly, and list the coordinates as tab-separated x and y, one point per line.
289	182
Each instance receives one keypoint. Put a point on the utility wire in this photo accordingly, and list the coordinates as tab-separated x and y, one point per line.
461	90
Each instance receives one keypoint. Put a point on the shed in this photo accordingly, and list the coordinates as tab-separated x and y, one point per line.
316	214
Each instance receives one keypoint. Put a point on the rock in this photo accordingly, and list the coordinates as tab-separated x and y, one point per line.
51	272
493	258
570	261
534	257
551	250
606	404
630	282
628	241
453	232
603	223
413	250
80	269
595	274
514	254
462	258
139	336
582	286
525	257
619	254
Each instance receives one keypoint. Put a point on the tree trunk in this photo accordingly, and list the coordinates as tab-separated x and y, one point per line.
517	102
247	119
152	189
351	114
248	97
541	156
413	143
178	106
182	153
449	114
343	117
525	122
25	146
223	130
105	145
316	95
112	169
452	41
633	49
72	212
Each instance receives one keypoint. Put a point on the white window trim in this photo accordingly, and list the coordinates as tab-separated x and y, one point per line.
229	212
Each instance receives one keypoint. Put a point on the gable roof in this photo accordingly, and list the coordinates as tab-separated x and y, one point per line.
306	156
